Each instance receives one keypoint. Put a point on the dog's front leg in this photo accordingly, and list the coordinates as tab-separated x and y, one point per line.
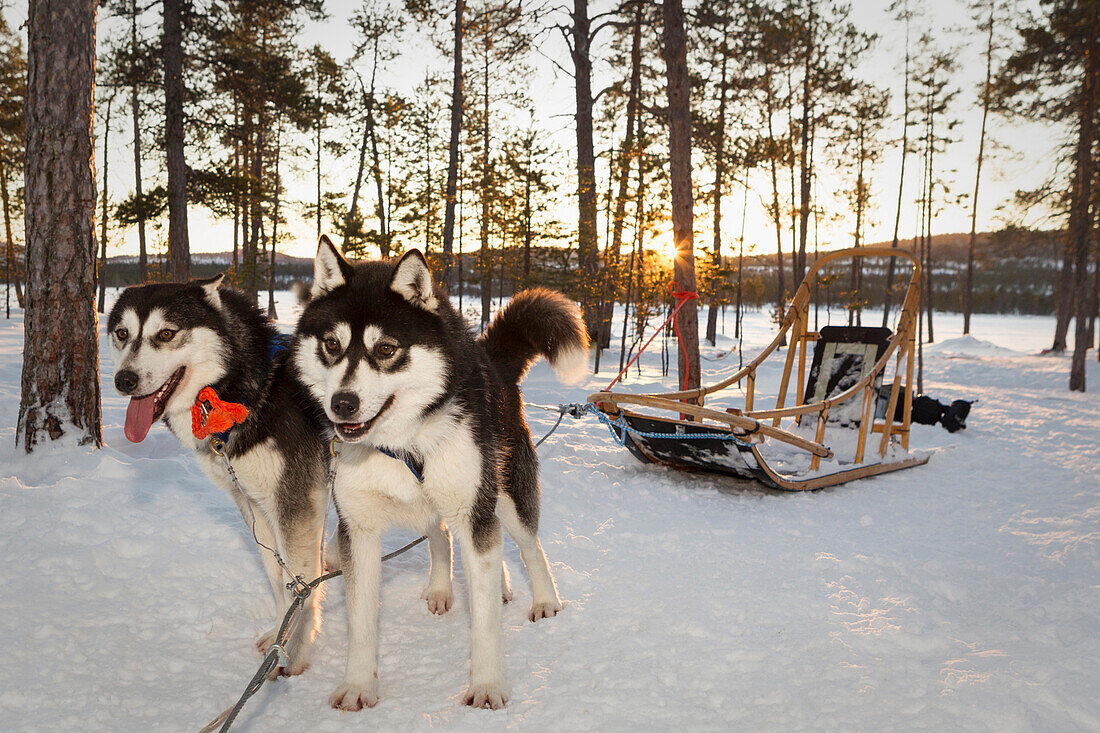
481	557
361	559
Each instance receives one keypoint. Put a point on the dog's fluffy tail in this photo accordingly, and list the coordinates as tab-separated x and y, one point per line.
536	323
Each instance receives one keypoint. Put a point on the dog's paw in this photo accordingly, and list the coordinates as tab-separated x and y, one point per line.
544	609
295	668
331	562
290	671
484	695
505	583
353	696
439	600
266	640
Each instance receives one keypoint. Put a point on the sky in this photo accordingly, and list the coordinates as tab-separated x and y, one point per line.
1019	155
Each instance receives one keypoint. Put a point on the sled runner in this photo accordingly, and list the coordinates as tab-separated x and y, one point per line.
845	422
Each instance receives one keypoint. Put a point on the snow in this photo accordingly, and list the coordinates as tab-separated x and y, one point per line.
961	595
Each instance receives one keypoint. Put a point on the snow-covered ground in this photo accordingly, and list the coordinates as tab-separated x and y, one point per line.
962	595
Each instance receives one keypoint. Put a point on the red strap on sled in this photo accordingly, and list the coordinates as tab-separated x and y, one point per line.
212	416
681	296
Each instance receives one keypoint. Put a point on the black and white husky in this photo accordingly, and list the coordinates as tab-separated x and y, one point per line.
171	340
405	385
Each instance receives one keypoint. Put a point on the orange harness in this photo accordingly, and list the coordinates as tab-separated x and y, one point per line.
212	416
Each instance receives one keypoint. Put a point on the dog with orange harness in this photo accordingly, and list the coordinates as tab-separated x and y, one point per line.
206	360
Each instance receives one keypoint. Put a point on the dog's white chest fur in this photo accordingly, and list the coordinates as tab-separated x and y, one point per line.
376	491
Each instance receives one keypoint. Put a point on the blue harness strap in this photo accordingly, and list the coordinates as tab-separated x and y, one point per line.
415	466
277	343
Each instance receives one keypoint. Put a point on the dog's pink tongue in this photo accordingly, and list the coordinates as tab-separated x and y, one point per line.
139	418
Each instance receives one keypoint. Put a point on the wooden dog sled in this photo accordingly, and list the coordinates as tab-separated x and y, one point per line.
847	421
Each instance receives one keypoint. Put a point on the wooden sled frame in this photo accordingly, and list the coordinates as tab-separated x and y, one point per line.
749	428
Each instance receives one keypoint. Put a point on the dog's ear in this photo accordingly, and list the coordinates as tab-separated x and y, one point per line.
210	287
412	280
330	269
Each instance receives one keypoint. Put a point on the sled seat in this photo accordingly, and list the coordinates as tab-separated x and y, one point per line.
844	355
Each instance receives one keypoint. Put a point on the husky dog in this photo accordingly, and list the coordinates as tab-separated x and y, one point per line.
434	440
169	341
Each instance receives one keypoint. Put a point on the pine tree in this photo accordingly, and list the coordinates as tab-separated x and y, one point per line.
179	247
679	143
13	94
1054	76
60	385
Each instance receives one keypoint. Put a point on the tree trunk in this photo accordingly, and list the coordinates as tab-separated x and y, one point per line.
452	148
719	173
856	315
274	227
255	217
429	214
246	188
376	163
318	165
236	186
792	131
9	261
891	264
102	272
1063	300
627	155
1080	212
484	262
782	288
10	270
587	250
135	103
458	224
737	330
376	171
527	233
353	207
636	252
804	172
179	248
1094	309
968	287
679	141
929	291
60	382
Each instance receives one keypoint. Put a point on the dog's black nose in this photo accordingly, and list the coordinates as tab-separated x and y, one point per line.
126	381
345	405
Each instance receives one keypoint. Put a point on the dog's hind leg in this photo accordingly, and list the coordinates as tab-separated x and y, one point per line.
545	601
505	582
518	509
301	531
481	558
361	558
256	523
439	593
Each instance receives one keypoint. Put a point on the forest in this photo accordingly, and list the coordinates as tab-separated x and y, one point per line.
685	117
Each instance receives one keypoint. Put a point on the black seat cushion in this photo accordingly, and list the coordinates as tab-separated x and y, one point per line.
843	355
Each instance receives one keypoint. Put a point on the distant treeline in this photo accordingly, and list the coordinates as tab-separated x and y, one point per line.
1013	275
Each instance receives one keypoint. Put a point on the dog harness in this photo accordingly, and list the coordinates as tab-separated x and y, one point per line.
212	416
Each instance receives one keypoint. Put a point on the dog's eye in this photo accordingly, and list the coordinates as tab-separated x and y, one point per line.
385	350
165	335
122	334
332	346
